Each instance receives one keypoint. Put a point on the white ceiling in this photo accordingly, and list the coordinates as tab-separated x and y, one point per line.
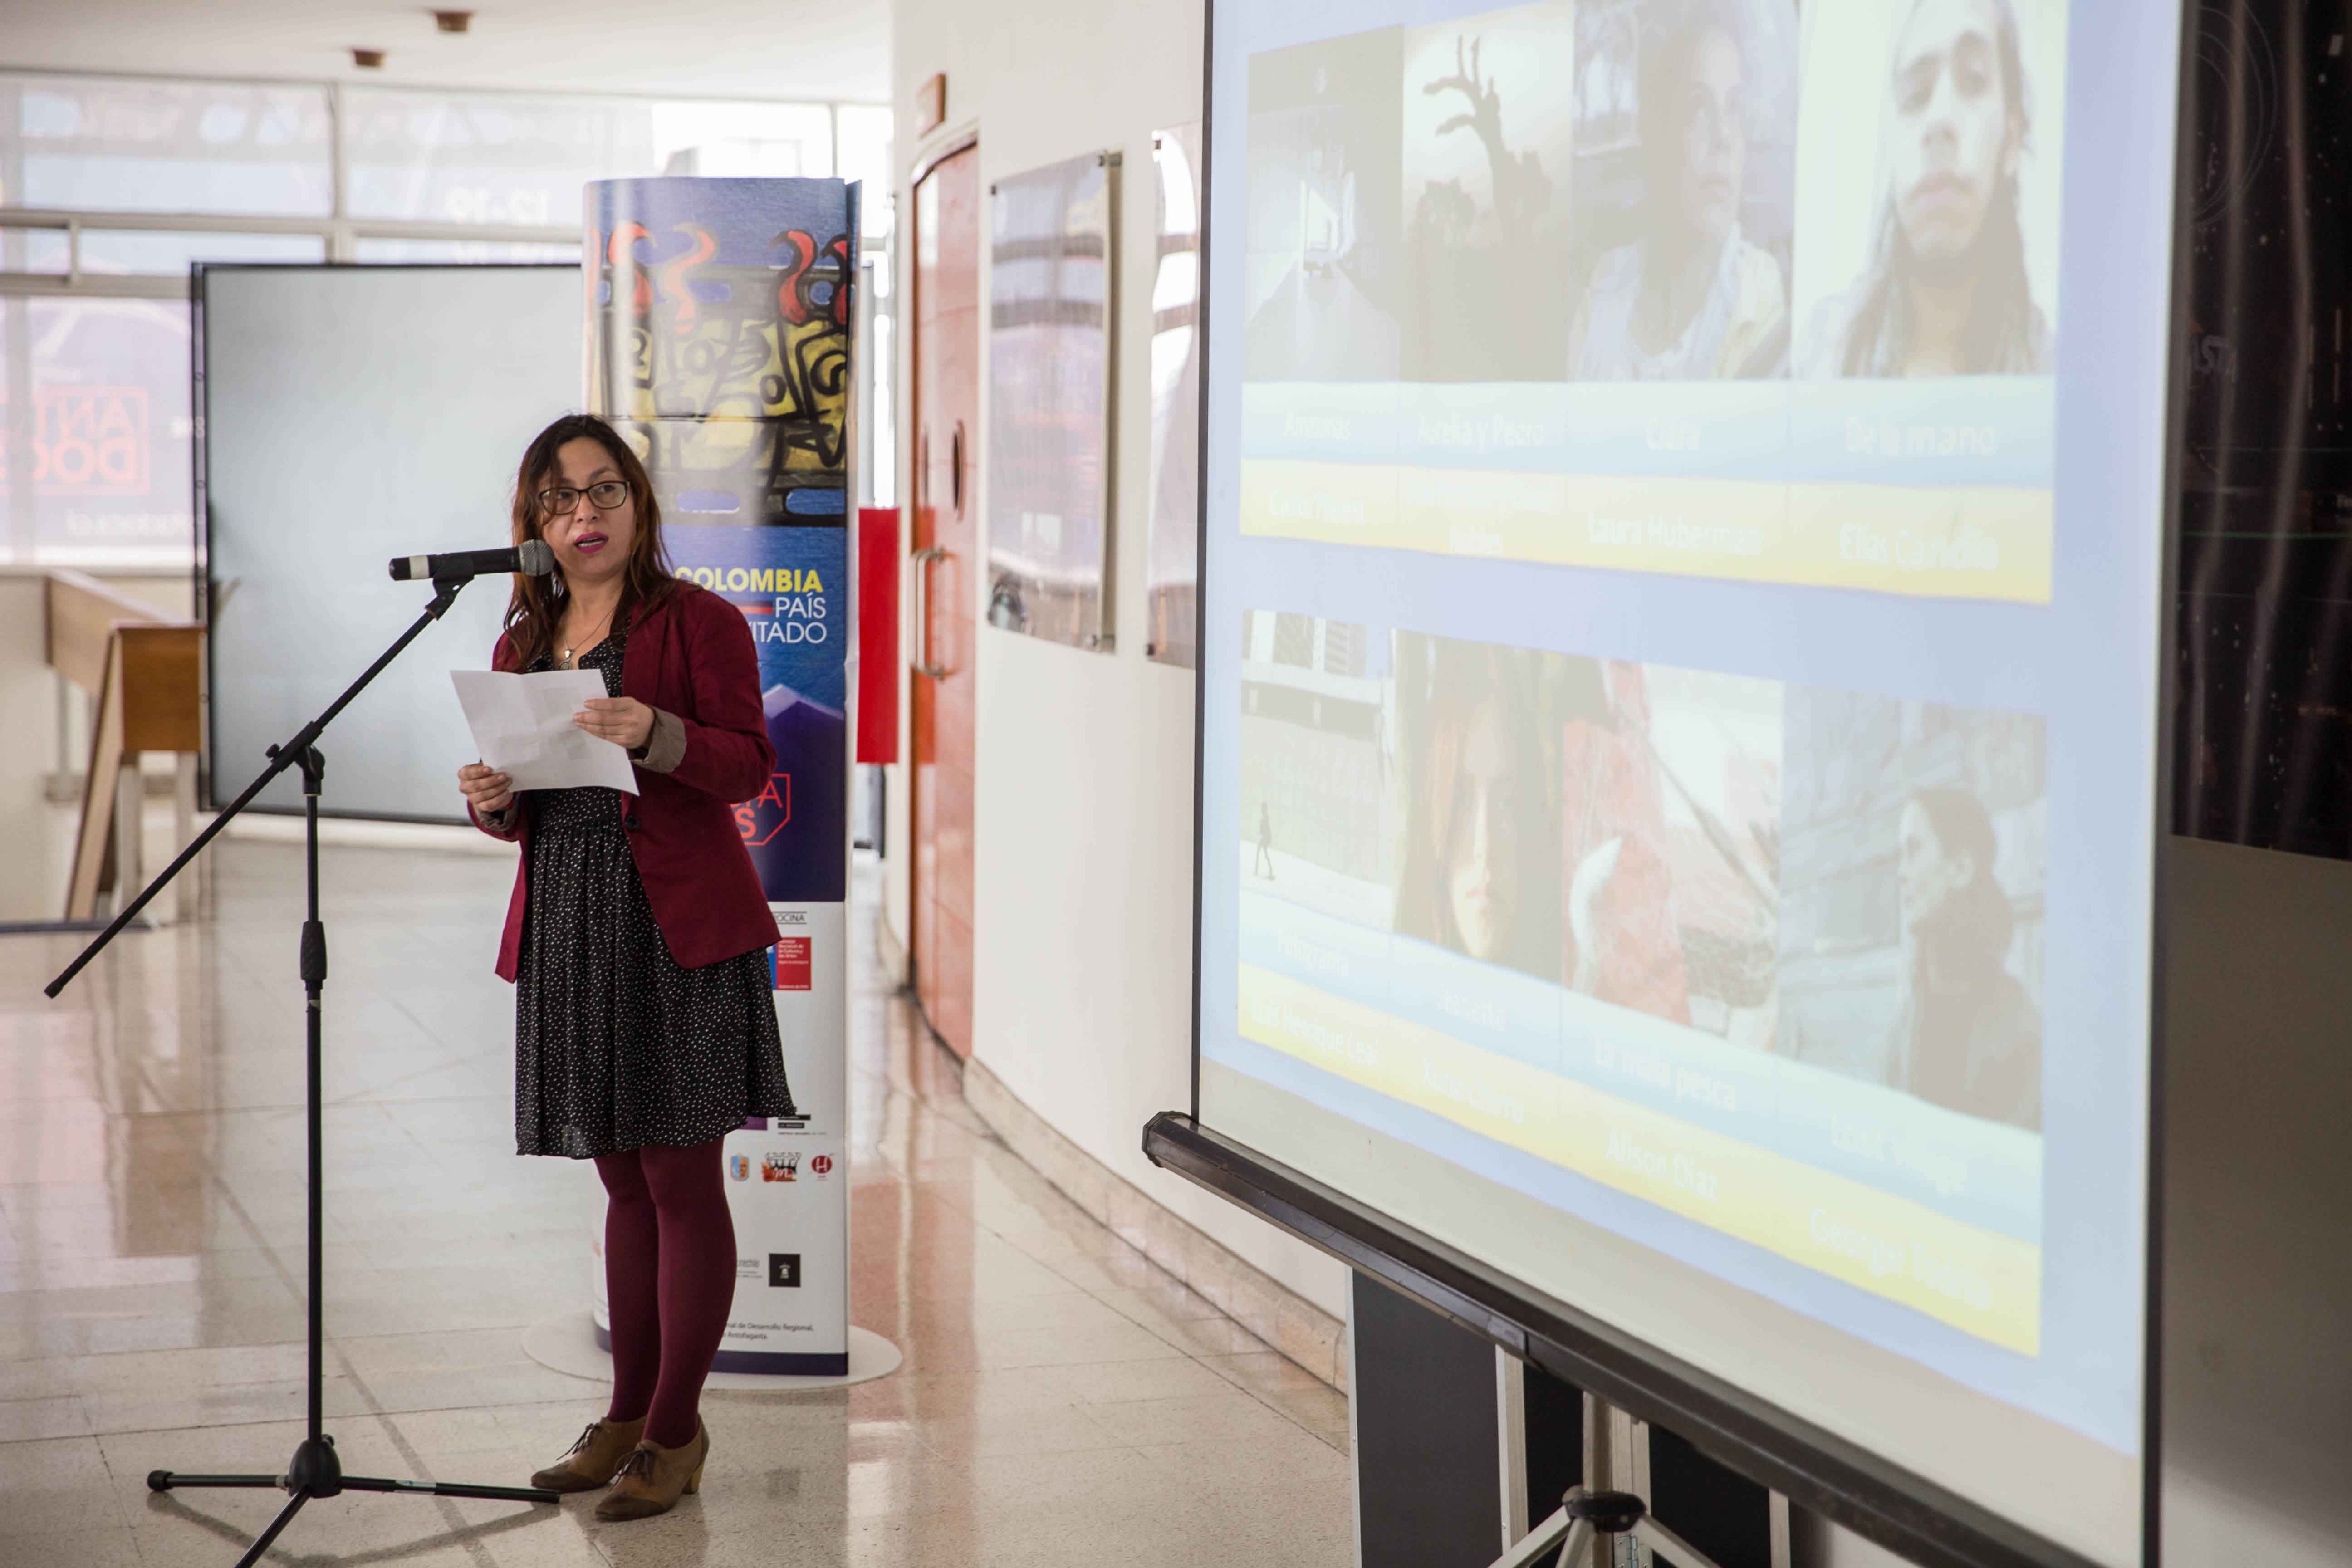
805	49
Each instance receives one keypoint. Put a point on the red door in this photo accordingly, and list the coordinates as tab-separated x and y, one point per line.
945	580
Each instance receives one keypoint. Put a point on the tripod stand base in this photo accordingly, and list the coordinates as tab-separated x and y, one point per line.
1585	1528
315	1472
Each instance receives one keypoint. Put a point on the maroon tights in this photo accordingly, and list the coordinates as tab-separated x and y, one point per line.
669	1274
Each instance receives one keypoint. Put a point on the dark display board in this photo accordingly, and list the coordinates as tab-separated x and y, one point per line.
2264	721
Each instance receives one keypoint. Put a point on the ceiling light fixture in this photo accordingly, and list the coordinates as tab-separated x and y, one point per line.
368	59
453	21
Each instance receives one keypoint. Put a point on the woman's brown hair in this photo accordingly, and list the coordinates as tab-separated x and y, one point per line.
537	604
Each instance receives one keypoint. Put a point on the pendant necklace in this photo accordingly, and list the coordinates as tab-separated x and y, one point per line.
565	660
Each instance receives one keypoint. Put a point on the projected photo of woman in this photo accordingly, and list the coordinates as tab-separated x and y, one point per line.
1957	257
1475	873
1693	214
1968	1036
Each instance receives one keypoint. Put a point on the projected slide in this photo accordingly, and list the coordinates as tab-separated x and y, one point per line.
1684	509
1698	320
1751	952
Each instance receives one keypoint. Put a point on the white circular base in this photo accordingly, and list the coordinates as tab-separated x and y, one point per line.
568	1344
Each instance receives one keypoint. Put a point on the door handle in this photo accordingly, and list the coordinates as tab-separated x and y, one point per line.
955	475
923	663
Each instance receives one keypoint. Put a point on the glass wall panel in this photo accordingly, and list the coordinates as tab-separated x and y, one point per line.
122	252
865	150
508	160
120	145
106	450
438	251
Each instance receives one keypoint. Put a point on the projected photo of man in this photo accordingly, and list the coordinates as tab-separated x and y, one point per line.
1953	281
1968	1036
1911	900
1476	870
1690	215
1322	238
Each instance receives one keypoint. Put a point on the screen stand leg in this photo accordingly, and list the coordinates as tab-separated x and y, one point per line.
1588	1526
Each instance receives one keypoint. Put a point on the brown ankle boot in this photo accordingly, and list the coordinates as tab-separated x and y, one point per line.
652	1479
592	1461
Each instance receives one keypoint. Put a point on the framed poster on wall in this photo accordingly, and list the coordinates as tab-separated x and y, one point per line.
1049	400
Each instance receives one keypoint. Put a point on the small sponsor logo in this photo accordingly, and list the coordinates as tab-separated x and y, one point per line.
739	1166
785	1269
780	1166
821	1165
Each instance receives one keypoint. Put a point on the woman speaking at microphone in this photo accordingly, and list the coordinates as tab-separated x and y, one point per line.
636	939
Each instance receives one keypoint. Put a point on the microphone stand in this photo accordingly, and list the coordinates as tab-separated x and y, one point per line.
314	1471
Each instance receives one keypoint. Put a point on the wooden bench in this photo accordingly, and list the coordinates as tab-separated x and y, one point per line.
142	670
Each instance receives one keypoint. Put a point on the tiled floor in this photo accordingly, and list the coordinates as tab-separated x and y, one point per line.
1061	1401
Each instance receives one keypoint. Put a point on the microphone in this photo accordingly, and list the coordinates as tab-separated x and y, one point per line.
532	558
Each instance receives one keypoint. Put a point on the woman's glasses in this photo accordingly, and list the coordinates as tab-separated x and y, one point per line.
563	498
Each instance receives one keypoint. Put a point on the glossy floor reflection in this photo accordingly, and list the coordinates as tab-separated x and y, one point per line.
1061	1401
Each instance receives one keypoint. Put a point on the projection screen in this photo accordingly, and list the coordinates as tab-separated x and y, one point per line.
1683	535
353	414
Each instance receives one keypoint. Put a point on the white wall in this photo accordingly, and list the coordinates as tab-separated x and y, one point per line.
1083	917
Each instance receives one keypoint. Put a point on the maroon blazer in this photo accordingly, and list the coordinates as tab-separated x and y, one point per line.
690	654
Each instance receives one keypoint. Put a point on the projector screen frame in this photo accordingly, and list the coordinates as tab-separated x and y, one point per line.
1827	1475
1815	1469
211	780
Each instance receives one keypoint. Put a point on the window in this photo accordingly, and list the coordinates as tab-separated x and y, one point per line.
100	469
108	145
465	251
150	252
866	141
111	187
511	160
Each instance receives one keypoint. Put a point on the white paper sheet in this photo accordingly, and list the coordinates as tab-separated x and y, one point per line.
522	724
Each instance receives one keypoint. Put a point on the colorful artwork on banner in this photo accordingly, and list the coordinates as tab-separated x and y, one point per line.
720	340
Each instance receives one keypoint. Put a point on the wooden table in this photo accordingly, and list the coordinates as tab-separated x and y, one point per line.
143	671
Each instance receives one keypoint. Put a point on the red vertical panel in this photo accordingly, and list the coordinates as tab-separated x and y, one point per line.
878	634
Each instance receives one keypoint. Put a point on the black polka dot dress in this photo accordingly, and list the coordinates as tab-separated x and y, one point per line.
615	1045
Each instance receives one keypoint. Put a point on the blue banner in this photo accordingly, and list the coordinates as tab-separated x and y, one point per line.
793	587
